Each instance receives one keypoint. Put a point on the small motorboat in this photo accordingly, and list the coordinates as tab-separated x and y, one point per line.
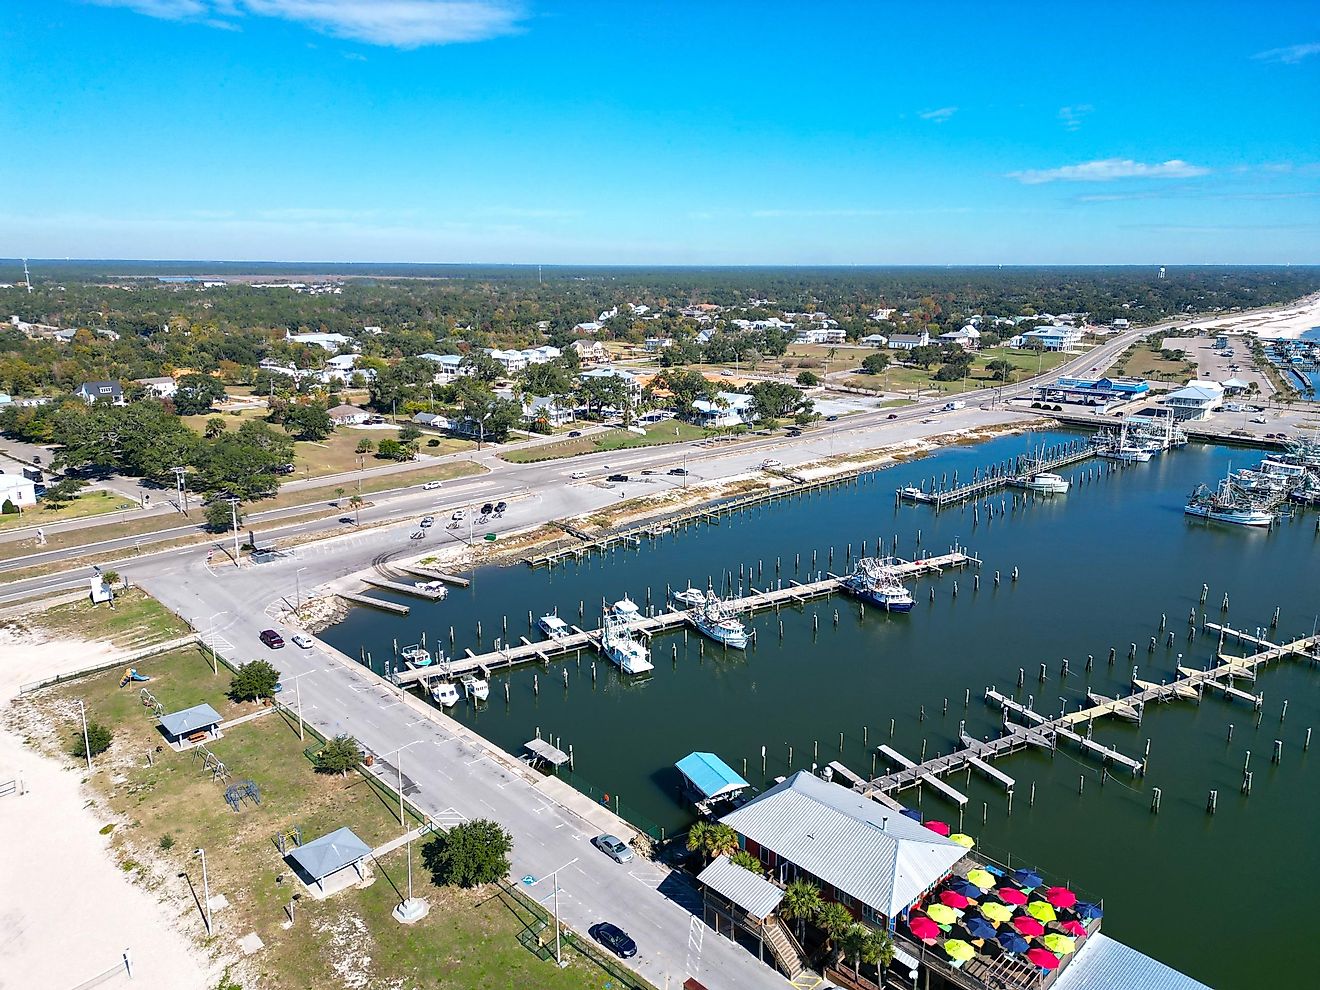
434	587
476	688
1046	483
554	627
689	597
443	693
415	656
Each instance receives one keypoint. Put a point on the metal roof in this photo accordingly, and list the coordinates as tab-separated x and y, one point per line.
755	895
321	857
1103	963
546	751
189	720
709	774
870	852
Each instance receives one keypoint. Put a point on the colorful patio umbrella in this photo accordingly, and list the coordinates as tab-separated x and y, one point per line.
996	912
1012	941
942	914
953	899
940	828
912	813
923	929
1074	928
966	841
958	949
981	878
1028	926
966	888
978	927
1085	909
1043	958
1061	897
1011	895
1028	878
1060	945
1041	911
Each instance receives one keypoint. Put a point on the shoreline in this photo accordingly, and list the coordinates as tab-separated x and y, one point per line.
1288	321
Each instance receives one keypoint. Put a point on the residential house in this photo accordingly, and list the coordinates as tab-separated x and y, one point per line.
1121	324
447	366
908	341
91	392
633	382
656	344
1196	400
728	409
590	352
1060	338
590	327
968	337
875	340
19	490
347	415
326	341
546	409
433	421
161	388
819	333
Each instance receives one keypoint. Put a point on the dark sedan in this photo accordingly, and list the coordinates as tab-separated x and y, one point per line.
615	939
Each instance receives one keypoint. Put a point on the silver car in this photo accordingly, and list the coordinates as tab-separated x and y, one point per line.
613	847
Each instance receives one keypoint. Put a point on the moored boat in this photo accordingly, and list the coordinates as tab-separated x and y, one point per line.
554	627
416	656
715	619
874	580
1047	483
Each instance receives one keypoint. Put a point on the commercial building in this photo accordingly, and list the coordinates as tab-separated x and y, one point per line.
1195	401
1094	393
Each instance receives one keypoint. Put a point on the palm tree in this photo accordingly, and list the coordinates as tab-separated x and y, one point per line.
801	903
712	839
355	503
835	919
867	945
748	862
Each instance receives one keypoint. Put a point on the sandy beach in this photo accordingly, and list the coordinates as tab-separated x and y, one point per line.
1289	321
67	910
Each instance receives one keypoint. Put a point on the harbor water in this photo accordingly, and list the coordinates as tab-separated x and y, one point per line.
1113	563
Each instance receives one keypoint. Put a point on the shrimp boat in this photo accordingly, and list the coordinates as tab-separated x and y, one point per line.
554	627
715	619
1122	448
476	688
623	649
1226	504
874	580
416	656
626	610
1046	483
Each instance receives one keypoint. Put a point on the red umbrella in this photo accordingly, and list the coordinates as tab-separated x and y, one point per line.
1061	897
953	899
1043	958
1027	925
939	828
1074	928
924	929
1011	895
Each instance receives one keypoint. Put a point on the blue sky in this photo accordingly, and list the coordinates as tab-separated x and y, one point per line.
644	132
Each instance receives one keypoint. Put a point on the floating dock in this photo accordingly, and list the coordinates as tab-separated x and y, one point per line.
379	603
404	589
430	572
1000	476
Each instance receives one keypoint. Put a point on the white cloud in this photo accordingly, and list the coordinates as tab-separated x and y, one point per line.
1071	117
393	23
940	115
1108	169
1290	55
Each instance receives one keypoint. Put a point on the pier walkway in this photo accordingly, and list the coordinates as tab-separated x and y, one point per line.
793	593
1045	731
993	479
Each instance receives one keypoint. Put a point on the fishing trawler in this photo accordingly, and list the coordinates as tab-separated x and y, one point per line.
874	580
715	619
622	648
1122	447
1227	504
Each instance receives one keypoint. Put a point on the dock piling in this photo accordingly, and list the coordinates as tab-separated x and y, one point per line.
1155	801
1278	751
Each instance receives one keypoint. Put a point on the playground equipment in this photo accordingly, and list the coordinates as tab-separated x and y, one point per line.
132	675
149	701
235	793
282	839
211	762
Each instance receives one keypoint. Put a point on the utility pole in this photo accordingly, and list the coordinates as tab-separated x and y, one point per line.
297	576
215	659
233	514
87	743
398	765
297	686
181	486
554	877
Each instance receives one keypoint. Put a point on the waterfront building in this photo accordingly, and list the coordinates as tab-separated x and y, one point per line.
1195	401
1097	393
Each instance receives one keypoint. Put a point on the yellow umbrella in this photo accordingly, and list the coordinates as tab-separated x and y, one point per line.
958	949
1042	911
996	911
966	841
942	914
981	878
1060	945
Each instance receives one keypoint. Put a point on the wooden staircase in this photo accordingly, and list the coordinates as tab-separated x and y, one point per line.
788	954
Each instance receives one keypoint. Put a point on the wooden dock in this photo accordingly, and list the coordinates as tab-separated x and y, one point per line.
1000	476
791	594
379	603
404	589
430	572
926	778
1045	730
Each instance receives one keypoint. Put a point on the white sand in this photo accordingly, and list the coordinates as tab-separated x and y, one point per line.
67	911
1289	321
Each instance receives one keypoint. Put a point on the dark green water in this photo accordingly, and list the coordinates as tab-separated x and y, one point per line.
1098	567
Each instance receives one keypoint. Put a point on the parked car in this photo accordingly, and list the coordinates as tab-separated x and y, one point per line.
617	477
301	640
772	462
431	486
272	639
574	433
614	938
487	509
794	432
459	514
678	472
578	475
501	506
427	522
892	416
650	471
613	847
346	519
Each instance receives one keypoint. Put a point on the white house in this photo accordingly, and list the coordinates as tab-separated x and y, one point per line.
515	361
347	415
728	409
1196	400
608	314
447	366
325	341
819	333
908	341
433	420
91	392
590	352
546	409
656	344
161	388
633	382
17	489
1053	338
968	337
875	340
1121	324
591	327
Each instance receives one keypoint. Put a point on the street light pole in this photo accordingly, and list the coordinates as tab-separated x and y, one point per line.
297	686
206	888
87	743
398	765
297	576
233	514
215	660
554	876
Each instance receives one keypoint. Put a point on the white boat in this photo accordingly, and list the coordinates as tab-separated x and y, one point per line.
689	597
626	610
415	656
1239	517
1121	448
476	688
627	653
1047	483
716	620
1228	503
434	587
874	580
443	693
554	627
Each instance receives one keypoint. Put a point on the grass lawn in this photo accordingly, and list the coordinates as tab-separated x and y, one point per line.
906	378
468	940
1140	361
136	620
666	431
92	503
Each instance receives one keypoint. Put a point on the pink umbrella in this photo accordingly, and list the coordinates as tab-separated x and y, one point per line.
1074	928
939	828
1011	895
1043	958
953	899
924	929
1061	897
1027	925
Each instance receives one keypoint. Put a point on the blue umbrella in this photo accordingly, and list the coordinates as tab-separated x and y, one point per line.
978	927
967	889
912	813
1012	941
1027	878
1085	909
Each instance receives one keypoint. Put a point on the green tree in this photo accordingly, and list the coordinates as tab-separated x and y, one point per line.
748	862
59	495
339	755
801	903
925	356
390	449
776	400
254	680
244	462
868	945
490	416
220	516
808	379
1000	369
712	839
308	422
98	738
408	433
834	919
687	388
196	394
873	364
365	446
214	427
470	854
